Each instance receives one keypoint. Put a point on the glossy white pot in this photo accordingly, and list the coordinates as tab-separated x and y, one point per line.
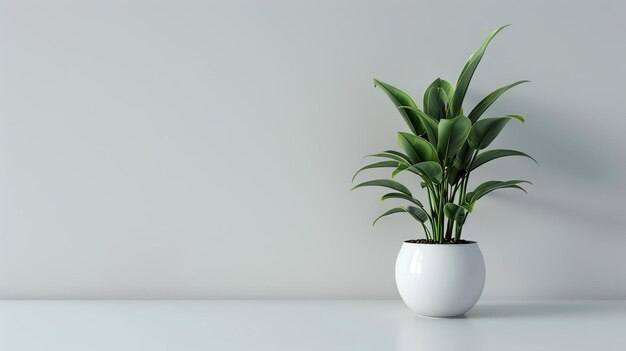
444	280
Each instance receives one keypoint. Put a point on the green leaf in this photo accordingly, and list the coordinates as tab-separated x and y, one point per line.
377	165
435	99
454	176
463	157
443	97
417	148
401	196
387	183
466	75
489	155
484	104
455	212
487	187
400	98
391	211
393	155
399	154
447	88
429	123
452	134
430	171
468	207
486	130
416	212
517	117
400	168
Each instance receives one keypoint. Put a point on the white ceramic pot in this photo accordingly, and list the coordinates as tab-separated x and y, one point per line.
443	280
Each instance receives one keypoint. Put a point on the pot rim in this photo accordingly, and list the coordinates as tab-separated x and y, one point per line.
467	242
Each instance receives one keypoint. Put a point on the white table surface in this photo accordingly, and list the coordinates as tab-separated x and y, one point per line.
320	325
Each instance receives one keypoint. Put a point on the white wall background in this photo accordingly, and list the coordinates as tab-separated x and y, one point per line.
197	149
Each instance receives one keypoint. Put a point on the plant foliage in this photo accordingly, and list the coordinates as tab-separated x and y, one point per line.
442	148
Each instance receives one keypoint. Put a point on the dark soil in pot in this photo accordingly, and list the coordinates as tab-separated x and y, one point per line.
448	242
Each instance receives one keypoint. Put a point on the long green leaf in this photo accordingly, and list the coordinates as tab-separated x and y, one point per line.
466	75
455	212
380	164
387	183
404	167
429	171
401	168
399	154
487	187
448	89
416	212
463	157
454	175
452	134
489	155
461	160
391	211
401	196
430	124
484	104
393	155
471	197
400	98
417	148
486	130
436	99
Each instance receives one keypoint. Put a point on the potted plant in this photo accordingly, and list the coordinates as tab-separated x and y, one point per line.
442	275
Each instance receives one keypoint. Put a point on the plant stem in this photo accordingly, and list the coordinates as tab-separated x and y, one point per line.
426	232
464	183
449	229
454	193
442	197
440	219
433	215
